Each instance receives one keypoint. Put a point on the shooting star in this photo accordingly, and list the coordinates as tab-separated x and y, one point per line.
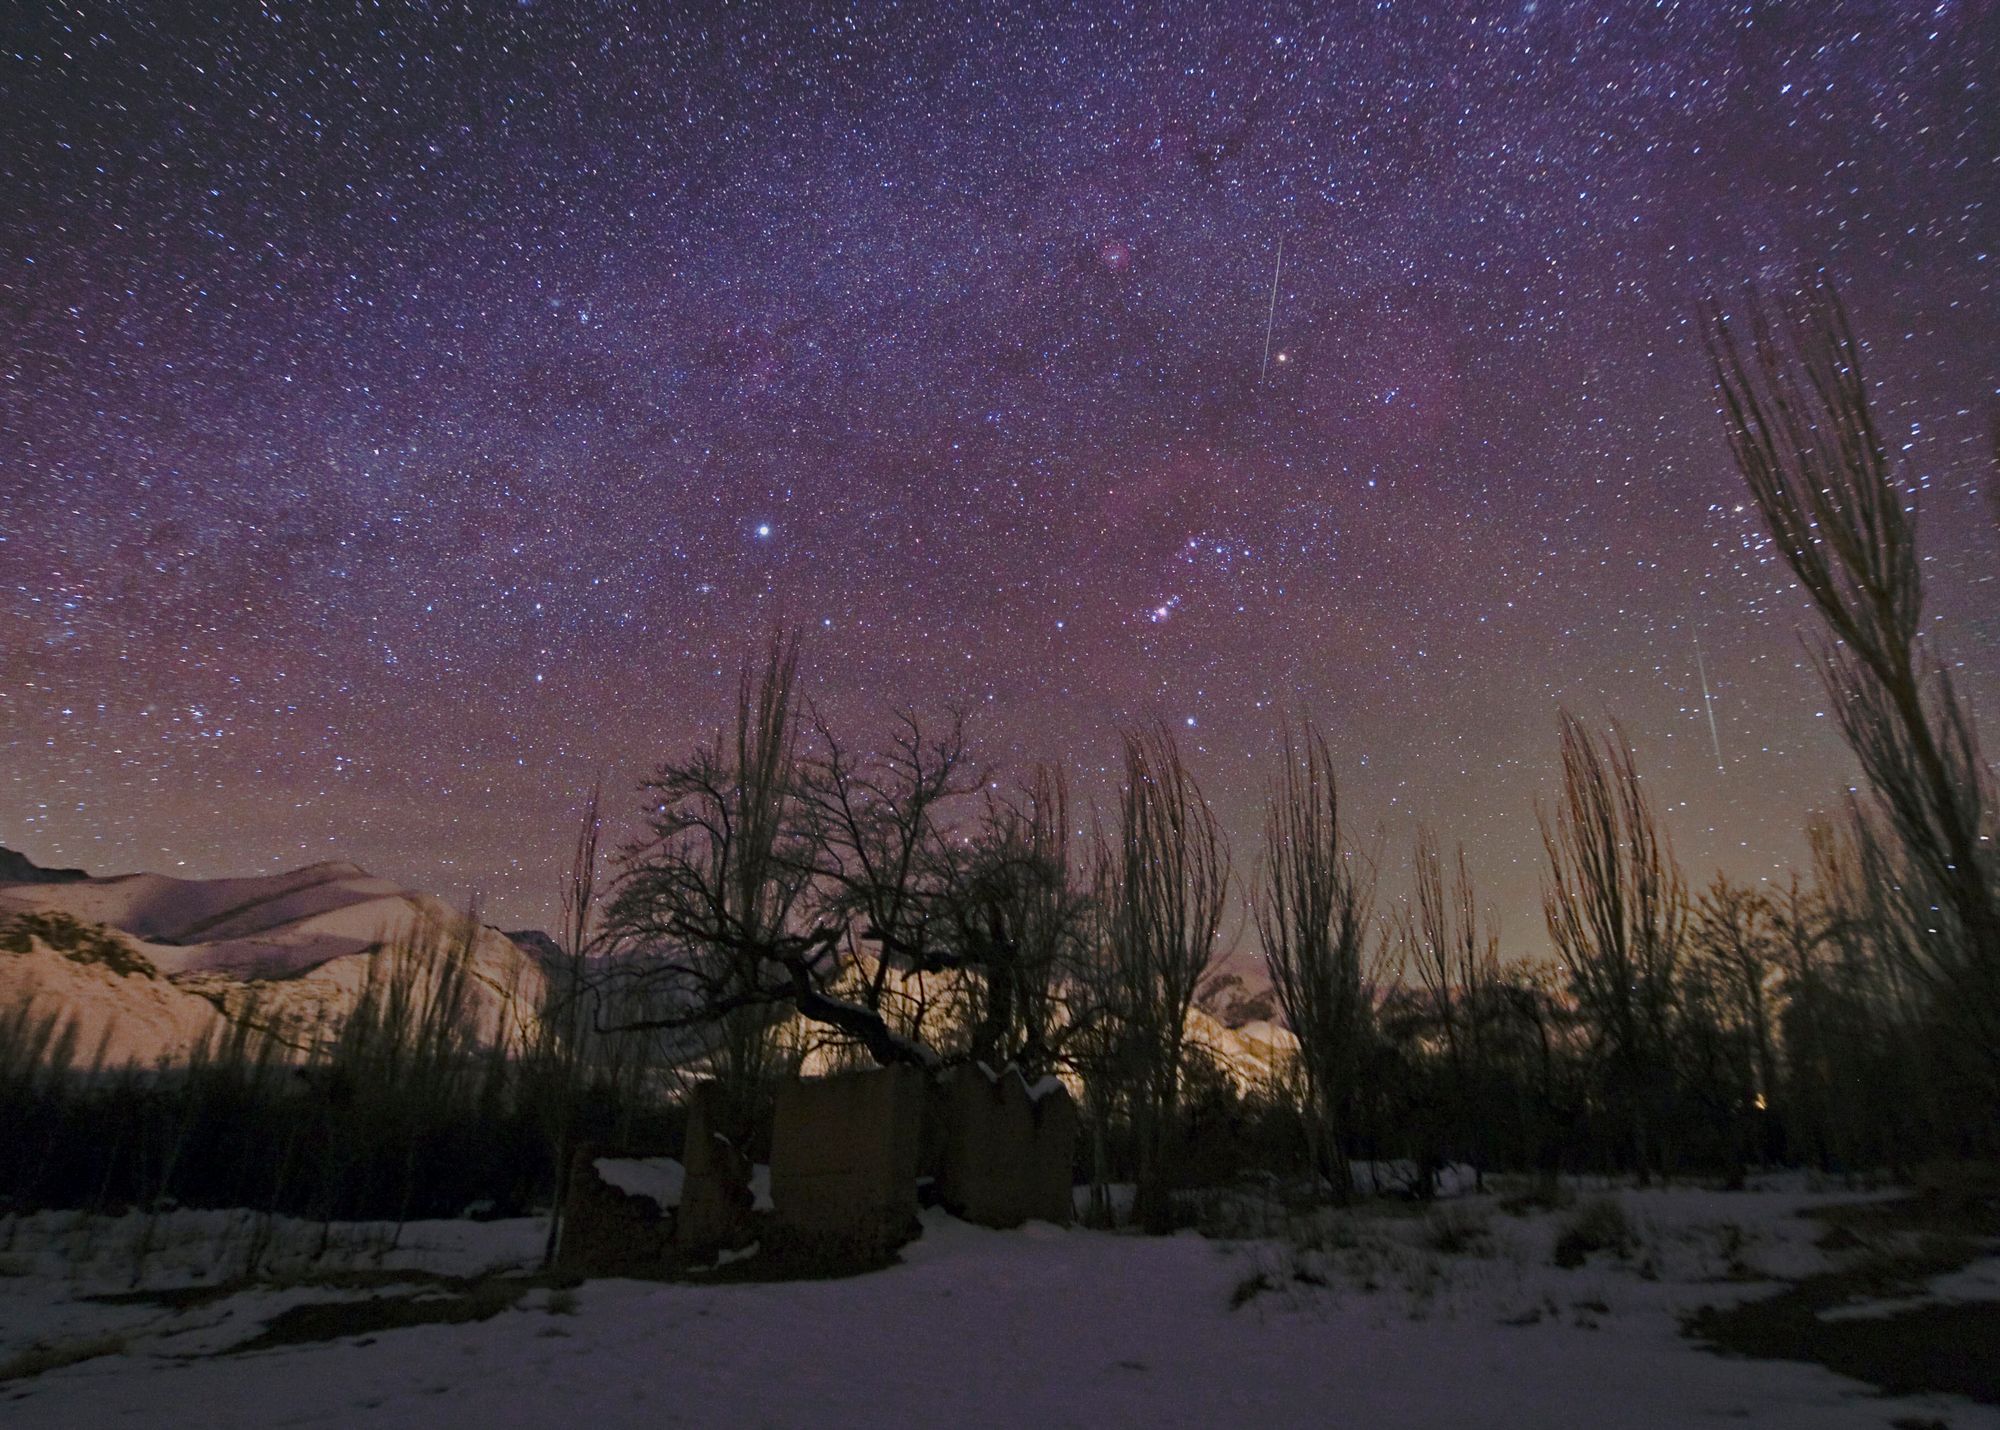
1271	316
1708	704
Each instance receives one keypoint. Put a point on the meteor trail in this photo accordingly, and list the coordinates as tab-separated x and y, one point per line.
1707	703
1271	316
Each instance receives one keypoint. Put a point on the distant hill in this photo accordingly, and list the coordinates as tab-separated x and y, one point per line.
539	944
17	868
146	965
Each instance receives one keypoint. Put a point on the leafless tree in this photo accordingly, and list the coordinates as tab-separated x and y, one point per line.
1616	908
1314	909
1162	886
565	1023
712	908
1014	919
1530	1038
1738	938
1797	413
874	830
1457	963
1858	1022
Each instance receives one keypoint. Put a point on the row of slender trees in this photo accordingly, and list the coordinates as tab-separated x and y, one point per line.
899	901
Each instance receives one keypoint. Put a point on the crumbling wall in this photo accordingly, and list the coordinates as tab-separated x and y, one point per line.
844	1158
607	1232
716	1202
1008	1150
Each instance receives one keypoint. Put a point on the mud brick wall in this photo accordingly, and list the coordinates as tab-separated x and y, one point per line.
844	1158
715	1211
607	1232
1008	1155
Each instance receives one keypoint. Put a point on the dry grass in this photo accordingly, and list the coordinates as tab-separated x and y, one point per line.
41	1359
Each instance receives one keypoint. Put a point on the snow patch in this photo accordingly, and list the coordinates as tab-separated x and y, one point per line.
658	1179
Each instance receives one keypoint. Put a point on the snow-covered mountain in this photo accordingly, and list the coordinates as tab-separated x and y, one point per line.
1252	1053
150	963
148	966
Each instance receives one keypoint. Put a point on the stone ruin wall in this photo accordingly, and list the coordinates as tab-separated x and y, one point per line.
1008	1150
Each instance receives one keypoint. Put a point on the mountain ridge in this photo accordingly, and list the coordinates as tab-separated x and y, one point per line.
299	946
18	868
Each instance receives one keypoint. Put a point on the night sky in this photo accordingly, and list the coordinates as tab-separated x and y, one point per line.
406	410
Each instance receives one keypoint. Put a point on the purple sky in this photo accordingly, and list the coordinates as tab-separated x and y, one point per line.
408	410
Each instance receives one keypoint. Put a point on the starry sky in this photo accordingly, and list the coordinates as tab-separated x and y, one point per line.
407	410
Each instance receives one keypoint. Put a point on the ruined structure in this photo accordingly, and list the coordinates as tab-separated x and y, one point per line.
848	1152
716	1201
1007	1149
608	1232
844	1162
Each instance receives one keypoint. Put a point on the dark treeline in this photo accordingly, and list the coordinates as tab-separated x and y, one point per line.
410	1105
798	900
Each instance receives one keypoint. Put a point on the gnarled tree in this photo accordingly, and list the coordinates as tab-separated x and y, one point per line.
712	908
874	833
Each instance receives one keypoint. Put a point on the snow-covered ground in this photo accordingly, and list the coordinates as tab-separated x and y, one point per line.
1041	1327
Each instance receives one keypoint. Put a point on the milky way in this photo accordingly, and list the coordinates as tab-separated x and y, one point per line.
407	411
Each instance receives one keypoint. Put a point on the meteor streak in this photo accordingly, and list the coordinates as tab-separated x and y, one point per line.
1708	704
1271	316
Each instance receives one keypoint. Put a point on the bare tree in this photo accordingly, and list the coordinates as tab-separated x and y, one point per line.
1616	908
1314	910
712	907
1014	920
1859	1024
564	1024
1800	426
1806	1023
1163	886
873	830
1529	1036
1737	937
1457	964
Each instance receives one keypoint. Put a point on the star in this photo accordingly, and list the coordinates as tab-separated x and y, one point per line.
358	370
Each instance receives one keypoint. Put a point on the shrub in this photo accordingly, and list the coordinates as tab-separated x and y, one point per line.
1597	1225
1249	1289
77	941
1455	1231
1544	1194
